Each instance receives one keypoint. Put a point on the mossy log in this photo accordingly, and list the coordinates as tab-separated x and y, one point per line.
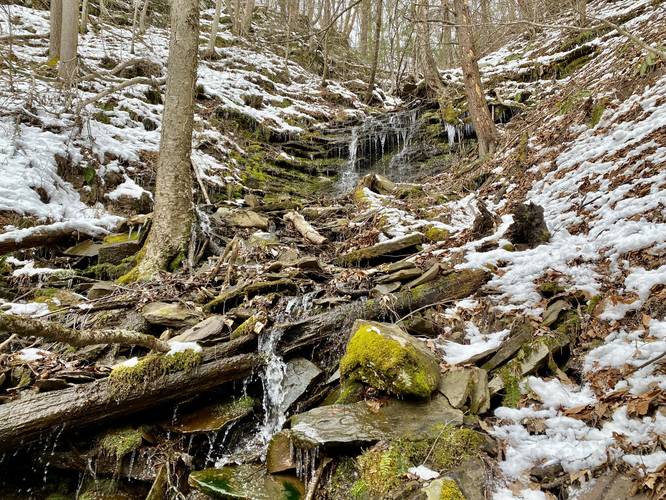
55	332
34	416
231	297
44	236
451	286
393	249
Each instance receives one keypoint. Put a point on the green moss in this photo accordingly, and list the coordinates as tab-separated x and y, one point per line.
574	65
521	157
107	271
89	174
120	238
568	325
597	112
572	102
342	480
175	263
435	234
387	364
379	472
102	117
511	381
152	367
550	288
513	57
592	303
450	115
350	392
451	491
119	443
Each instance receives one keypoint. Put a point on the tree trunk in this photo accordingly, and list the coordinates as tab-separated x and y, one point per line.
484	126
135	22
247	17
56	28
143	17
173	215
375	56
581	7
27	419
366	7
426	59
447	54
214	27
84	17
69	41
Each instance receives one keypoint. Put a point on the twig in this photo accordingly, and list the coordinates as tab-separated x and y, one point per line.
8	341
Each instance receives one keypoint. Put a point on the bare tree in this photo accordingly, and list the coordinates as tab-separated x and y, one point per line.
173	213
247	16
484	126
375	55
212	39
424	51
56	28
69	41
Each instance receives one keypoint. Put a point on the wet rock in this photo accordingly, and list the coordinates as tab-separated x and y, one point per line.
300	373
86	248
385	357
262	239
279	453
529	227
248	482
117	247
101	289
466	388
386	250
210	329
359	423
169	314
214	417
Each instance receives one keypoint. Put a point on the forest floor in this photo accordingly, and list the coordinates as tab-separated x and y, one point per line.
548	324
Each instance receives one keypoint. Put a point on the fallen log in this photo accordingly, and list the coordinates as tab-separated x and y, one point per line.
451	286
302	226
31	417
43	236
55	332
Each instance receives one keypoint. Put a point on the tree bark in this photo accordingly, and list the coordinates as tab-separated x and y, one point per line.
328	326
143	17
84	17
27	419
364	29
484	126
69	41
214	27
375	56
173	213
56	30
427	60
302	226
56	332
247	16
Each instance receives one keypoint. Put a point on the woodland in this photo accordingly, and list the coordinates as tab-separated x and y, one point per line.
333	249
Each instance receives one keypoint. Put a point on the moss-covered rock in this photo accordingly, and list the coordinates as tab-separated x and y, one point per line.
385	357
246	482
120	442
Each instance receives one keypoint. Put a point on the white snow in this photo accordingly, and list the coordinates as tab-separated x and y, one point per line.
478	343
31	354
554	394
176	347
423	473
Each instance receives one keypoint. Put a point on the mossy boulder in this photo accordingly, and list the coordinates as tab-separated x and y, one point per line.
170	314
117	247
385	357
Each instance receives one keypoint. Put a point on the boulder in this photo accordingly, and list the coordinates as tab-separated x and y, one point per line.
248	482
360	424
171	314
466	388
385	357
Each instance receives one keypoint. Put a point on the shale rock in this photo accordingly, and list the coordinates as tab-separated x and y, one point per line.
169	314
247	482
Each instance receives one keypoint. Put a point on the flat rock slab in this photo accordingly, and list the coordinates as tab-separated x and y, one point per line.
169	314
394	248
247	481
214	417
101	289
359	424
299	375
211	328
86	248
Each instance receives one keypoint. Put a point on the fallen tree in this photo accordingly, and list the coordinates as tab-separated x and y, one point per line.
55	332
453	285
29	418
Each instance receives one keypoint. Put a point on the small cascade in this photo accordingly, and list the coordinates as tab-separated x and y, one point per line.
374	139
